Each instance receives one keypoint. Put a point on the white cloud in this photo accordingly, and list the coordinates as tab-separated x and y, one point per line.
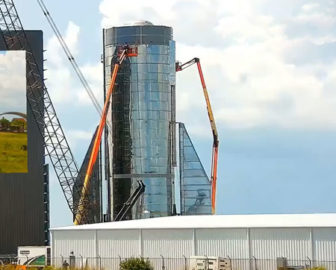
79	141
115	13
63	84
71	101
13	81
245	49
94	76
79	136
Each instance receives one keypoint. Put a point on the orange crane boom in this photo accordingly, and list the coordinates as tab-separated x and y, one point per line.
180	67
126	52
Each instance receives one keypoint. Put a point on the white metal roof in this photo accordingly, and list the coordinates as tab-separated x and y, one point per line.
216	221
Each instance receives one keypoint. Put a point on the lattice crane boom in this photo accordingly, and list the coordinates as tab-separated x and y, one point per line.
45	116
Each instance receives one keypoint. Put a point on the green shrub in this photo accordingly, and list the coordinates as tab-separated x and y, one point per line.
136	264
319	268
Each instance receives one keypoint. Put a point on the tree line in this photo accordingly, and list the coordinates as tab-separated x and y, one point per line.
15	125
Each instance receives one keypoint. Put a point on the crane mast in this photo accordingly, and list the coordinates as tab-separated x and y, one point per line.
180	67
49	126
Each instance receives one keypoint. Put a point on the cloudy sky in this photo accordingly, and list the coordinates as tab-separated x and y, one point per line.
12	82
270	68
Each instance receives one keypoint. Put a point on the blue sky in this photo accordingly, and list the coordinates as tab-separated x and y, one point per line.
270	68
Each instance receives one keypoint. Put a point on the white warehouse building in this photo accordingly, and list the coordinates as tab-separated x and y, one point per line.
248	241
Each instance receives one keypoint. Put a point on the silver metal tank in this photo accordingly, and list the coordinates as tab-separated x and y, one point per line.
141	144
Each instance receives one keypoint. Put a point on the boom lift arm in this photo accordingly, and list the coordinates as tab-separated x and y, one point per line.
125	52
180	67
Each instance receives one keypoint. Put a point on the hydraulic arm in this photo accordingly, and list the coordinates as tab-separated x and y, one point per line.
125	52
131	201
180	67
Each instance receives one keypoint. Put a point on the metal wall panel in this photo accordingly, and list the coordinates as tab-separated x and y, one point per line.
81	242
324	244
24	196
140	139
222	242
168	243
293	243
139	34
268	244
167	248
115	243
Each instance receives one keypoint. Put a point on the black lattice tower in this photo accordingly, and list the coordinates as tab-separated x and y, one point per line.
50	128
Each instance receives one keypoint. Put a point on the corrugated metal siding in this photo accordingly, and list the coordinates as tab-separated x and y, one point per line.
123	243
266	245
222	242
325	244
293	243
82	243
169	243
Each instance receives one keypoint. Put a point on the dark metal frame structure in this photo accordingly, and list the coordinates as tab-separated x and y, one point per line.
24	197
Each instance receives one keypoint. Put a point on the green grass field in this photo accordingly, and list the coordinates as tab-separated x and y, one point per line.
13	156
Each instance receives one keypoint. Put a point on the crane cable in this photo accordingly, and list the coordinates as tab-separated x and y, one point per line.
70	56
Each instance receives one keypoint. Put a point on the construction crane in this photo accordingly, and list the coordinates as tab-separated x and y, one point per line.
124	51
89	203
180	67
50	129
48	123
69	56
